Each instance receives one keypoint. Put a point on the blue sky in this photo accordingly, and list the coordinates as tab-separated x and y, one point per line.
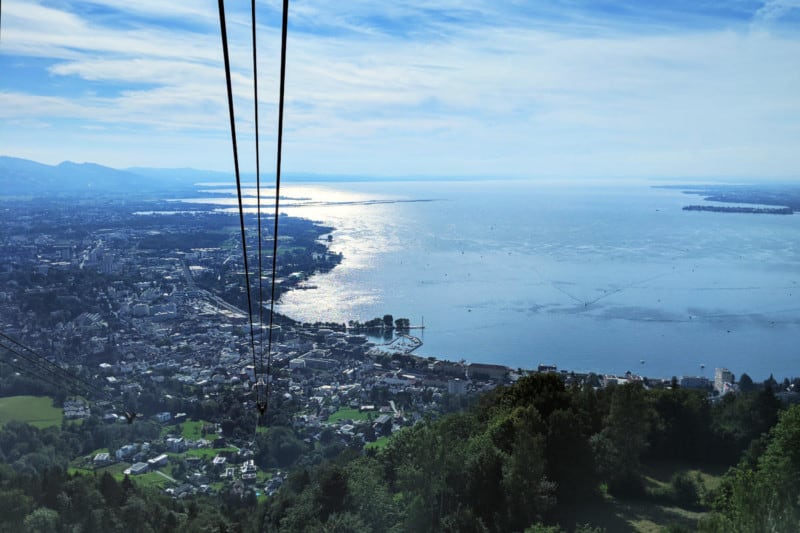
545	89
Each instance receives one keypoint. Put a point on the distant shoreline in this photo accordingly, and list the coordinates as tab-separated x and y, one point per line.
767	199
733	209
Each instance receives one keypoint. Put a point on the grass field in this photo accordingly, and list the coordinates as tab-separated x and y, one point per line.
378	444
646	514
346	413
35	410
115	470
191	429
208	453
151	479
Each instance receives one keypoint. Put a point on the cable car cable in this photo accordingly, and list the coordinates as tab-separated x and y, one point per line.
46	365
258	191
61	376
36	365
224	35
284	31
28	371
57	376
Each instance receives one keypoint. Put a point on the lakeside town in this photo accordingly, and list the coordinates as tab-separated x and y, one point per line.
117	295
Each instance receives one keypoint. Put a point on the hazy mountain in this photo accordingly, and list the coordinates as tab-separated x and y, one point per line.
187	176
25	177
193	175
22	176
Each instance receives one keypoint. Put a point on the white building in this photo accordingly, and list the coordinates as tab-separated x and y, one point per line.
137	469
721	377
159	461
102	458
126	451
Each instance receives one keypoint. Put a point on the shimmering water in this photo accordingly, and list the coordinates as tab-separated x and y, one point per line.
582	276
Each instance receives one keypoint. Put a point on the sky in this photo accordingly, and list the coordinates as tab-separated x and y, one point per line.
532	89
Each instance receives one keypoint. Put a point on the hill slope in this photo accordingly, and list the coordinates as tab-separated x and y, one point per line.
24	177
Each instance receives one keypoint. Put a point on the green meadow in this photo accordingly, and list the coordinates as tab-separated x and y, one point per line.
35	410
346	413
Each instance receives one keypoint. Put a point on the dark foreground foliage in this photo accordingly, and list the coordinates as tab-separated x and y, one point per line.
534	453
526	457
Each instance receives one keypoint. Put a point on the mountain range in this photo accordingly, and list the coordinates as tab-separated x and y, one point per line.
23	177
26	177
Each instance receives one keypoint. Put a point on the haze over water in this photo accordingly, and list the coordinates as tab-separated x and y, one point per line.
587	277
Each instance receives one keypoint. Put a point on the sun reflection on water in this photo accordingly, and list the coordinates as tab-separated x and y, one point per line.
365	229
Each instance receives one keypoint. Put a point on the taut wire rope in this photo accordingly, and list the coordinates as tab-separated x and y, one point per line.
224	34
284	31
258	191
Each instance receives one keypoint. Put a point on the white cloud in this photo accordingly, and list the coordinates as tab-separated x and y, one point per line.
34	30
775	9
369	95
200	10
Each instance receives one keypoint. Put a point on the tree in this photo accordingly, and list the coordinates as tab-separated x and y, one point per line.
746	383
684	426
779	470
331	493
545	392
227	427
463	521
367	487
764	498
41	520
529	494
278	447
619	446
15	505
127	484
570	464
738	419
685	490
541	528
344	523
179	468
111	490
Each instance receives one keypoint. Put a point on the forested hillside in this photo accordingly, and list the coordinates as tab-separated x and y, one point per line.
535	456
539	453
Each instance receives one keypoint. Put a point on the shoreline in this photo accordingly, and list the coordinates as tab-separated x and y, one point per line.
608	374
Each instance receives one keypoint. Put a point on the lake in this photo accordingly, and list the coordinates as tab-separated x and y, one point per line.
604	278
